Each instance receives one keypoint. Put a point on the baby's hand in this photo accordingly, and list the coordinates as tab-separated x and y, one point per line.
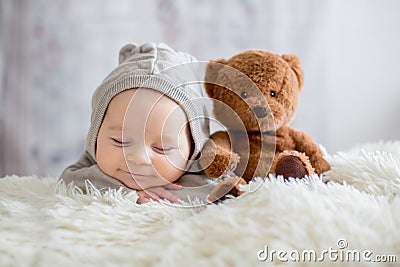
159	192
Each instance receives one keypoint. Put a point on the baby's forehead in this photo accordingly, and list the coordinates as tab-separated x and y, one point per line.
143	97
135	106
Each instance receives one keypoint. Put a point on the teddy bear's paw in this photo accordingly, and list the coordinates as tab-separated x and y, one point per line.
230	185
292	164
219	164
232	164
321	166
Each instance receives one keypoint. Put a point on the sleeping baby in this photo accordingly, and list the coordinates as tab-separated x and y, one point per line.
148	125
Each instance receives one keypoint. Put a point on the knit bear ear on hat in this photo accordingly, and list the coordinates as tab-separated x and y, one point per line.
126	51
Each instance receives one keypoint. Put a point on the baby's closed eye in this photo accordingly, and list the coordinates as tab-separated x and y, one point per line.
163	149
120	142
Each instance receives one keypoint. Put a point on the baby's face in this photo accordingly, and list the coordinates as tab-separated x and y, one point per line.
144	140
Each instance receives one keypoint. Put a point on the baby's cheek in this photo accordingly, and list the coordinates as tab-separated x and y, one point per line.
170	168
109	160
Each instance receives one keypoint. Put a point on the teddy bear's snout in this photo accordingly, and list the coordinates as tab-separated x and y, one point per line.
260	111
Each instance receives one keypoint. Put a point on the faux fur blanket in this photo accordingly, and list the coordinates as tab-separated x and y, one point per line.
352	220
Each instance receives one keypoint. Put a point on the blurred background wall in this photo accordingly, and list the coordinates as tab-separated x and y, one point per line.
53	54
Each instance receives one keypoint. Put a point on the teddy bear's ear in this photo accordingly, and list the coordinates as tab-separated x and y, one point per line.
213	67
294	63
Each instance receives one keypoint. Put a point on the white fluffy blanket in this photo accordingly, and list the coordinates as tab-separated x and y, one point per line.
43	223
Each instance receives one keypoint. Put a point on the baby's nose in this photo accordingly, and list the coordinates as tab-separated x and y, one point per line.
138	157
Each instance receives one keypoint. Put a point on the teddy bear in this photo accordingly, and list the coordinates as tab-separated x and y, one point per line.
259	90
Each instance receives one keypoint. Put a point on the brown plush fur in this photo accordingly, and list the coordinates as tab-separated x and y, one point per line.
265	78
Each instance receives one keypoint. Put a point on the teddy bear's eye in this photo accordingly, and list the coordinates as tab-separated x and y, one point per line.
244	95
272	93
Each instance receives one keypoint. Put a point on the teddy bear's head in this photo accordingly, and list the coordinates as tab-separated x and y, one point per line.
259	86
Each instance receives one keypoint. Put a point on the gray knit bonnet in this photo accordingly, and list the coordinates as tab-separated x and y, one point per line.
155	66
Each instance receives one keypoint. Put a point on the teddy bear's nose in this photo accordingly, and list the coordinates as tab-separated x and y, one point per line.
260	111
